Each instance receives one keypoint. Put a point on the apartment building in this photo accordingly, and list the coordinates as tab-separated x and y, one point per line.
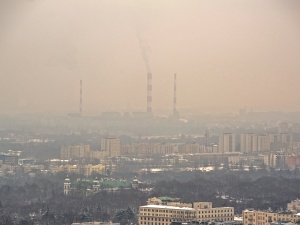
161	211
293	162
80	151
251	143
111	146
254	217
190	148
166	149
276	160
227	143
87	170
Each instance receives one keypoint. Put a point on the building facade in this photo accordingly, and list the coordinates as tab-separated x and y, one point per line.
251	143
111	146
227	143
81	151
164	212
256	217
294	205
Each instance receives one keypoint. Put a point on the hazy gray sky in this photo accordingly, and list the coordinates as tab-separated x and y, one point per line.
227	54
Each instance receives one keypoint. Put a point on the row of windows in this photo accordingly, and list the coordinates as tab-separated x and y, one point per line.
169	220
151	223
167	215
216	211
200	211
206	216
161	210
155	219
168	212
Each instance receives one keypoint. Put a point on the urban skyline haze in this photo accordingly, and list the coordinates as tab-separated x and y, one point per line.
226	54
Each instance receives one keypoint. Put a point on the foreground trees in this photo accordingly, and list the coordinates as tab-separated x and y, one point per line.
40	200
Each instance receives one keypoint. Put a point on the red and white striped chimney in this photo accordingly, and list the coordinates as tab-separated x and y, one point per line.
149	92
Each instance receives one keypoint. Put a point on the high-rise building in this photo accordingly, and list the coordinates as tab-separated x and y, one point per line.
80	151
276	160
227	143
263	143
251	143
111	146
248	142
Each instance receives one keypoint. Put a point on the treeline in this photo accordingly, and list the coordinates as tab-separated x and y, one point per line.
254	189
26	200
40	200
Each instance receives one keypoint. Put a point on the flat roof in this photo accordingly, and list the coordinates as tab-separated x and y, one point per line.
167	207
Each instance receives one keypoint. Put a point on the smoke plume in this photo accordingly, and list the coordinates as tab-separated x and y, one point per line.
145	50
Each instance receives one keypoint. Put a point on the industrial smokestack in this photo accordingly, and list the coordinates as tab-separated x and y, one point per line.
145	51
149	92
80	100
174	97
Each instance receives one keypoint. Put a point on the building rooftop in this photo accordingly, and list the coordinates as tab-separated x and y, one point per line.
168	199
167	207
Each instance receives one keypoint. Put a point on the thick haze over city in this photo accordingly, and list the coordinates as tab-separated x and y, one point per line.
148	112
227	55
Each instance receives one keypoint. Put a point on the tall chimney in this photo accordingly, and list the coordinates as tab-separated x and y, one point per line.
174	97
149	92
80	100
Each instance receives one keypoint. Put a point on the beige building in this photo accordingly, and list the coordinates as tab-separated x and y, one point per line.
227	143
253	217
81	151
294	205
263	143
32	168
282	137
251	143
148	149
158	212
87	170
153	149
166	149
276	160
190	149
90	169
111	146
286	138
